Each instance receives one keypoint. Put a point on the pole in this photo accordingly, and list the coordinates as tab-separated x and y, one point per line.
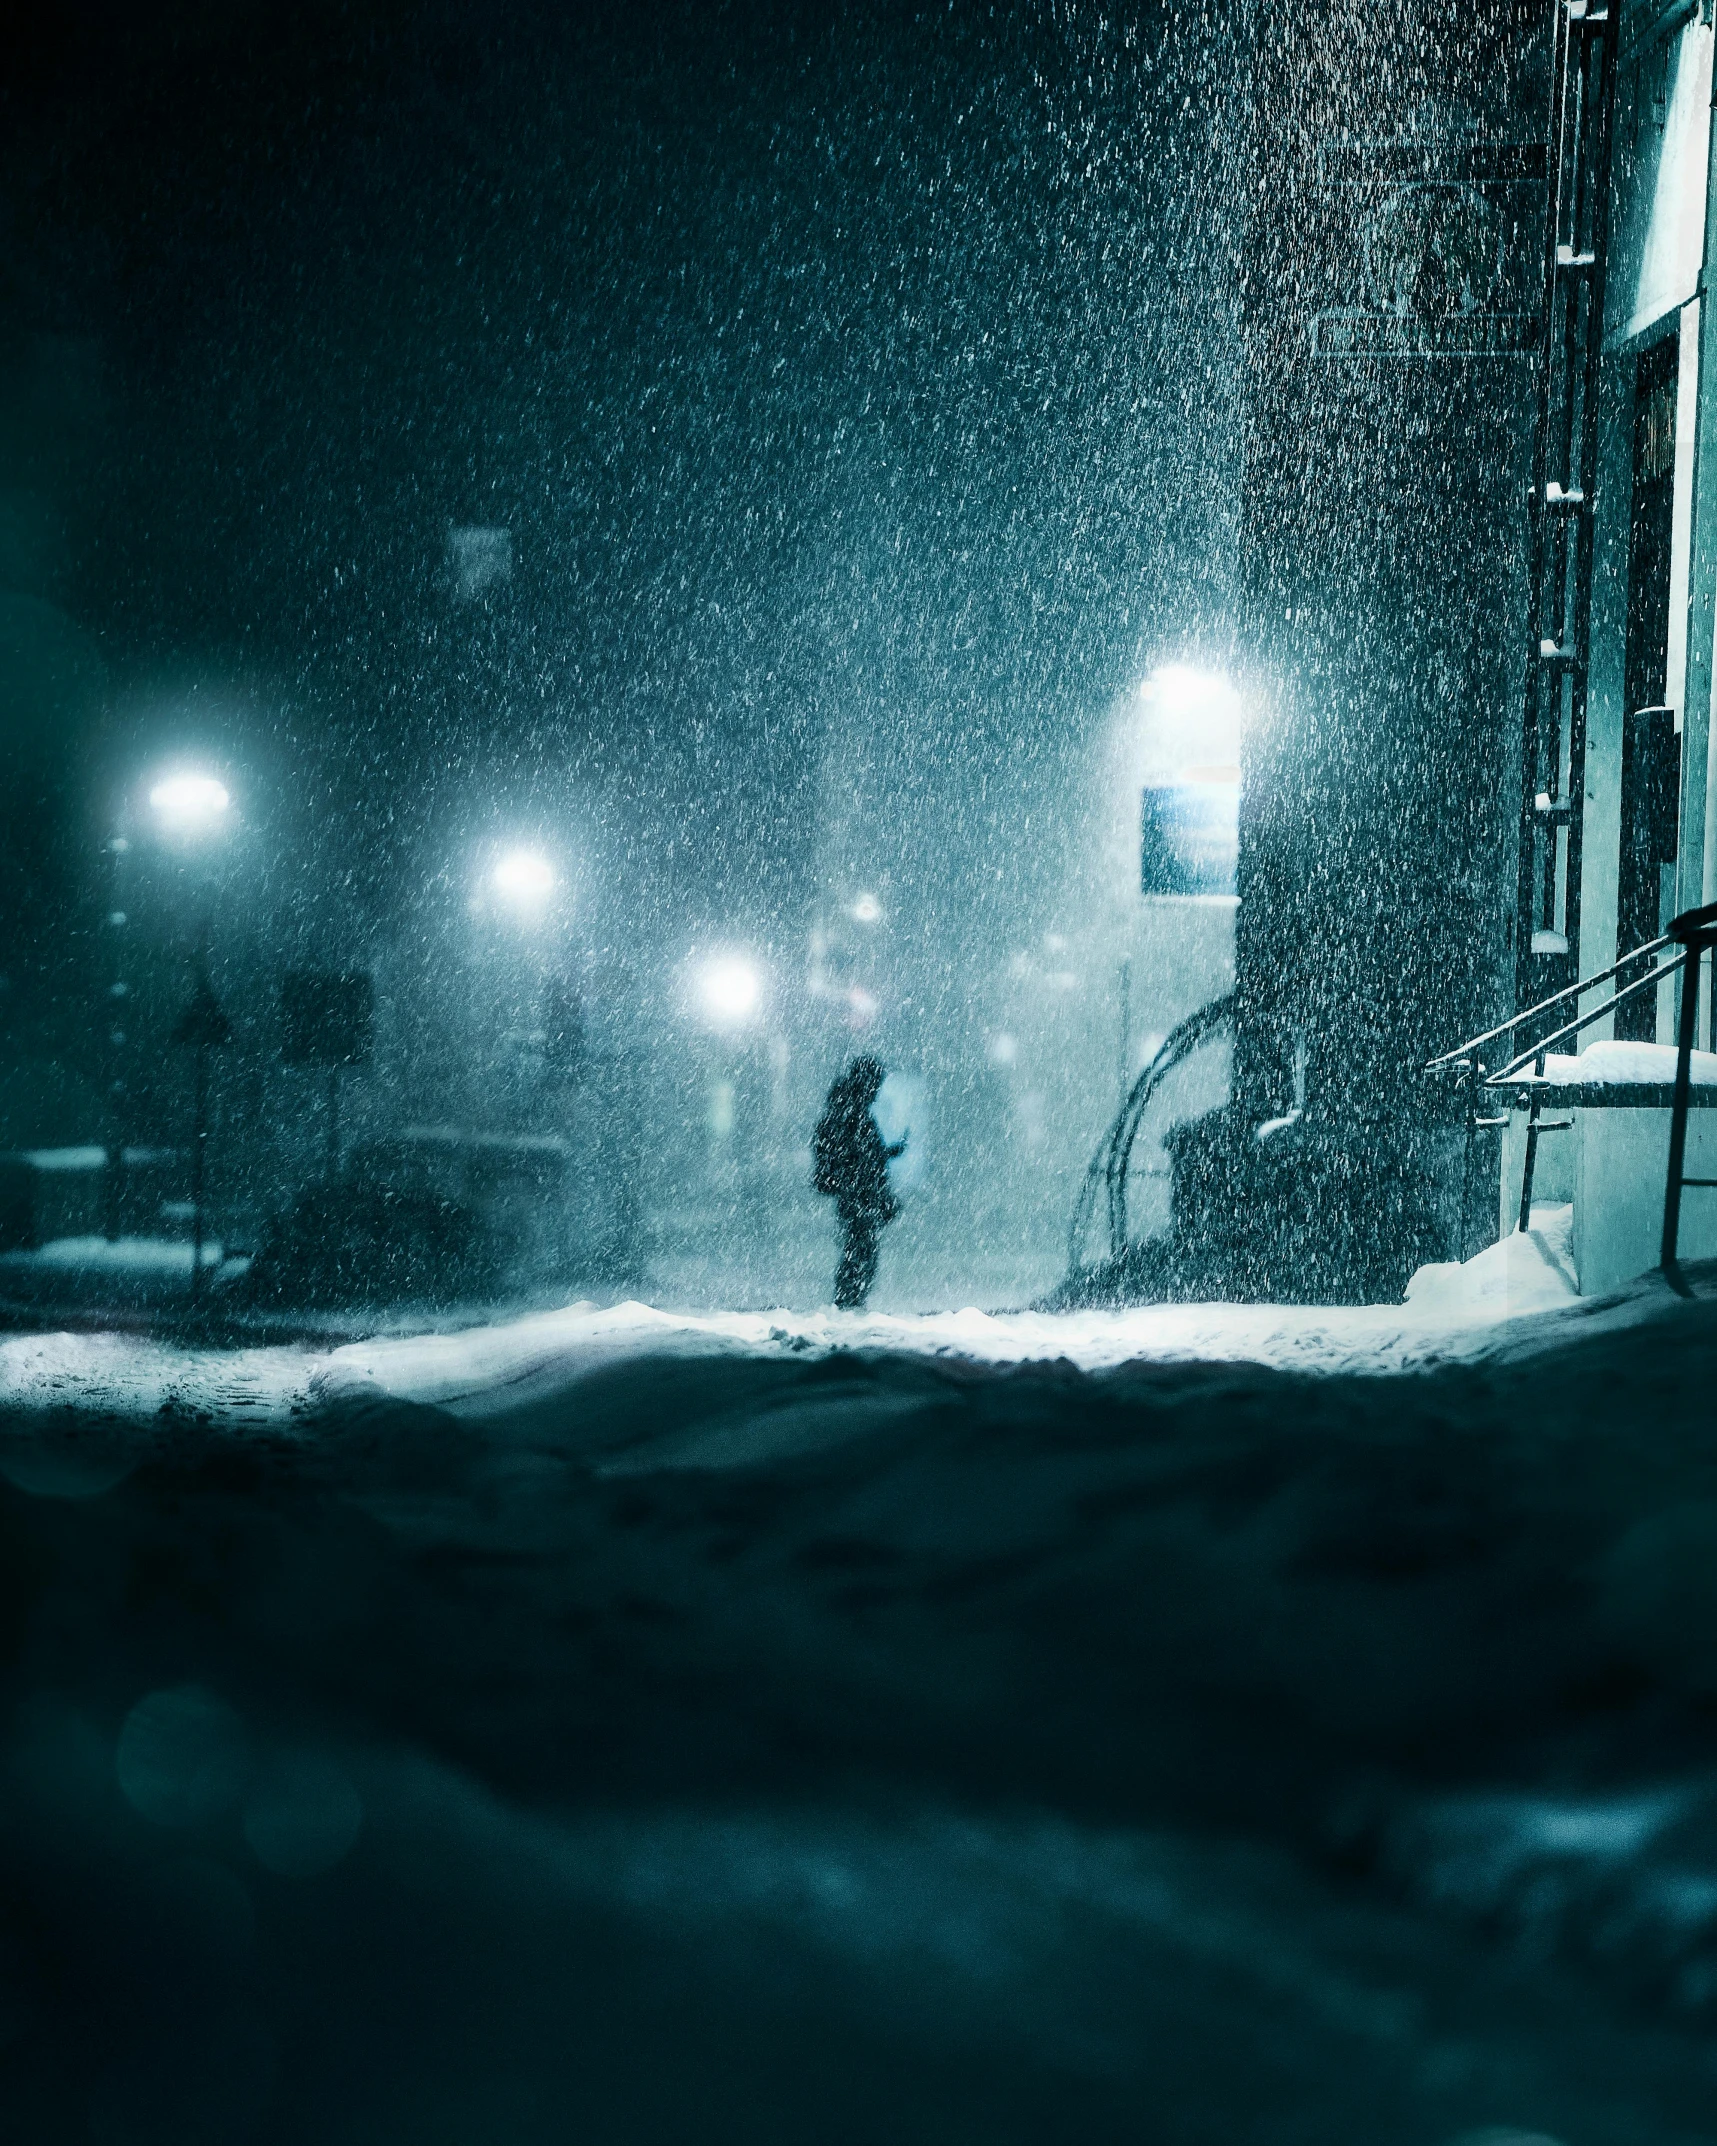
202	1027
1126	1042
1697	874
199	1144
1473	1078
1678	1111
114	1024
1695	929
1530	1161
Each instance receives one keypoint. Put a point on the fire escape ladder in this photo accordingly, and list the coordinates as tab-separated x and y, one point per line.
1565	457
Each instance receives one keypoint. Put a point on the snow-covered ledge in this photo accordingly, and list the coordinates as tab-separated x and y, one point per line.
1611	1165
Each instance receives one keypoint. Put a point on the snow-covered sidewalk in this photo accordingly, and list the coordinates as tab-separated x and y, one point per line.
1516	1297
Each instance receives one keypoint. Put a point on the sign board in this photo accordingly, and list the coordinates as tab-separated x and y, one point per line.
1190	835
1435	249
327	1018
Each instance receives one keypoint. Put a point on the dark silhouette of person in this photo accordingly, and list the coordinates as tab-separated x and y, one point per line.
851	1168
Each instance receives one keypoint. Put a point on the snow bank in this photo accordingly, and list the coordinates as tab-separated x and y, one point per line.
123	1375
1511	1295
1077	1701
500	1367
1525	1272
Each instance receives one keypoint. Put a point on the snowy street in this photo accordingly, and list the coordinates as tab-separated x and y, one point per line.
1294	1722
858	1074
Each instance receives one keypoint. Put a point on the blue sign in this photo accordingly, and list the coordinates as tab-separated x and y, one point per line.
1190	835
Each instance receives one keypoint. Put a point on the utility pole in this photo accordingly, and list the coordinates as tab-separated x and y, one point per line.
203	1027
114	1024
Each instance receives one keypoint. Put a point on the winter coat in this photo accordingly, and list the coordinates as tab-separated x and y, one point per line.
851	1160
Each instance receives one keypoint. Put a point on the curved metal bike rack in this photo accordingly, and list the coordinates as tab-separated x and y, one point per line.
1109	1166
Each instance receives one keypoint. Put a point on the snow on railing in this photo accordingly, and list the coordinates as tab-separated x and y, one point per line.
1695	933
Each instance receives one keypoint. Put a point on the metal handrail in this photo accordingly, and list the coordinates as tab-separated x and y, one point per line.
1697	931
1519	1020
1573	1028
1109	1167
1465	1056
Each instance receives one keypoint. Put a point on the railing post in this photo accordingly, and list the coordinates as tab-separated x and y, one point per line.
1695	930
1475	1075
1697	924
1530	1162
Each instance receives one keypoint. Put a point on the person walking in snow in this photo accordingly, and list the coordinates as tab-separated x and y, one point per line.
850	1166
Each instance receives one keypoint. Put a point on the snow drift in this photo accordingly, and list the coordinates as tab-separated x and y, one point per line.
1194	1724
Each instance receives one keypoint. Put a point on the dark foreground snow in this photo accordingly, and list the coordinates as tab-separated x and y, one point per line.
626	1729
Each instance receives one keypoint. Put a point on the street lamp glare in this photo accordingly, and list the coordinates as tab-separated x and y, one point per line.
524	879
1193	717
189	803
731	990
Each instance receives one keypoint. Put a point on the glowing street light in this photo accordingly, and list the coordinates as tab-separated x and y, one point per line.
730	990
1190	806
866	910
1192	721
188	804
189	808
523	880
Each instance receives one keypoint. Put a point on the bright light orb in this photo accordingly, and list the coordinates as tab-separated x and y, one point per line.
189	804
1192	725
524	880
867	910
730	990
1190	807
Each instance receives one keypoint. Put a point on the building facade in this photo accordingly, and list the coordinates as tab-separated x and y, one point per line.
1392	325
1648	848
